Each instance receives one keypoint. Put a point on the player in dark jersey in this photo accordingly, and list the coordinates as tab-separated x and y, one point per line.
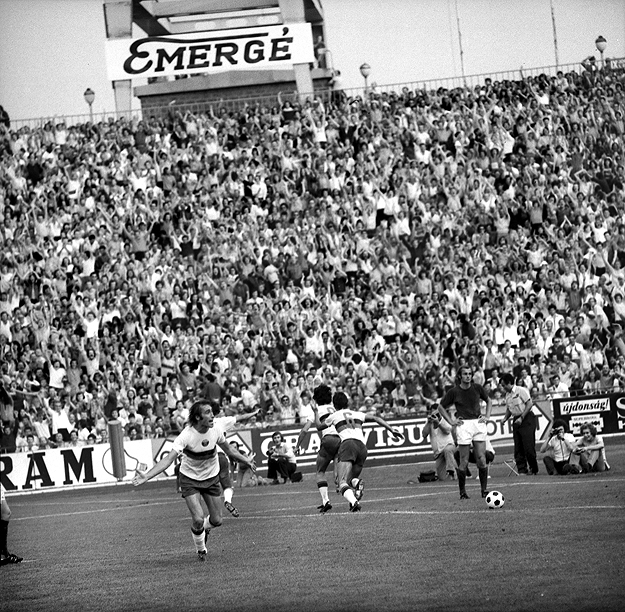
470	424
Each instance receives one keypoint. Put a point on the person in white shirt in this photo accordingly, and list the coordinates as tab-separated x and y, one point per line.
559	445
329	445
519	408
589	451
199	470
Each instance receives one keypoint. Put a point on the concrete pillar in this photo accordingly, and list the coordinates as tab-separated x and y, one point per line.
293	12
118	22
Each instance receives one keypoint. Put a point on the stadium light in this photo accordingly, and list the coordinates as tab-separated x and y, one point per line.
89	98
601	43
365	70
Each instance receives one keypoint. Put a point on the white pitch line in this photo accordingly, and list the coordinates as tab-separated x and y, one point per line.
40	502
95	511
435	491
366	512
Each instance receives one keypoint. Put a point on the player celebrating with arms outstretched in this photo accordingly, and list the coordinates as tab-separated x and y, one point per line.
199	470
353	450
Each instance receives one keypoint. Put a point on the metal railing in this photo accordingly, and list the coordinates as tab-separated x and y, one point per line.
233	103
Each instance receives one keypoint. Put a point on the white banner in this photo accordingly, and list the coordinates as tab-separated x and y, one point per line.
69	467
210	52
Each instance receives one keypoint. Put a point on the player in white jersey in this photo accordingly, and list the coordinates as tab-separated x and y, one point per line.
329	446
227	424
353	450
199	470
6	557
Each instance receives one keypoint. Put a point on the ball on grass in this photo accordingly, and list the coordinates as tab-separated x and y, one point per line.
495	500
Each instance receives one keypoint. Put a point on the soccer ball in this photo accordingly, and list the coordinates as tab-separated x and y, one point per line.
494	500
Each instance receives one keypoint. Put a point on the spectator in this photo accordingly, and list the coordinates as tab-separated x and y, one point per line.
589	451
482	194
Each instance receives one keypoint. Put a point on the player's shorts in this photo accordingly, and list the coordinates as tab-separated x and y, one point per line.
327	451
471	430
224	471
190	486
353	451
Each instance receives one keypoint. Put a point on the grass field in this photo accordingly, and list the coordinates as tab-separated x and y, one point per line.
557	544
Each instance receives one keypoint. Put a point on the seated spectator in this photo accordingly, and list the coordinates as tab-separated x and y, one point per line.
281	460
589	451
558	446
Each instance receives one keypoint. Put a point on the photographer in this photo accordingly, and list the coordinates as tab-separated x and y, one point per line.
559	445
280	459
442	443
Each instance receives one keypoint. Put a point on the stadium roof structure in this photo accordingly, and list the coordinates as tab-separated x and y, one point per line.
167	18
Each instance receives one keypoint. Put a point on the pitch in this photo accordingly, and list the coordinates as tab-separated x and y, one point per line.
411	547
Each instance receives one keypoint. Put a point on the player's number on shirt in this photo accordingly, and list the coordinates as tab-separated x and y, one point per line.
349	419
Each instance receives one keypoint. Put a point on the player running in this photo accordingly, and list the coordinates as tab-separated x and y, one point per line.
199	470
352	451
329	445
227	424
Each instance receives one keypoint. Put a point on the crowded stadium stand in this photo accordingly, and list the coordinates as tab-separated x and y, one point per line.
374	241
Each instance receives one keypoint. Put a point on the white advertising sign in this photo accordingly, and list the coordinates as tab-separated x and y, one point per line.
69	467
210	52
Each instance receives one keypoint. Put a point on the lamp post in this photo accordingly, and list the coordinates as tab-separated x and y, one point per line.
365	70
601	43
89	98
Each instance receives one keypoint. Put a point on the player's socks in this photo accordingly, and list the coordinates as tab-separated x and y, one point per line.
462	481
198	539
483	472
322	485
348	493
228	493
4	531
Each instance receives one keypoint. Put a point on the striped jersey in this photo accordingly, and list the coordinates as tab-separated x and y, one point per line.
198	452
348	424
324	411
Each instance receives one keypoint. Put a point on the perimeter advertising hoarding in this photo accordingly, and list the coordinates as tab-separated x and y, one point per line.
380	444
92	465
210	52
56	468
606	412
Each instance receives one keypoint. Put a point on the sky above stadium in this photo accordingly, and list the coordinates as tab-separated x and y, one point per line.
51	51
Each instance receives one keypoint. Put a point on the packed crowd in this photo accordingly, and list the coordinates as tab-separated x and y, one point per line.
372	243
